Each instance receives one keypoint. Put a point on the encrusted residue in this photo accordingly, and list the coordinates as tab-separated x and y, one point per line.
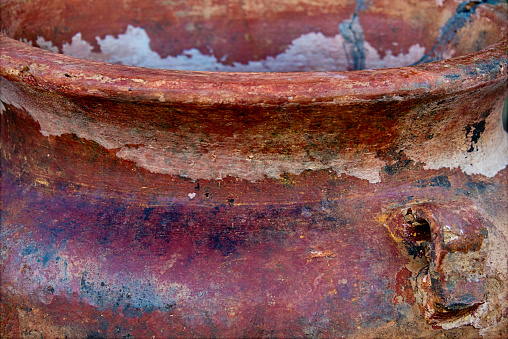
458	259
480	147
488	158
309	52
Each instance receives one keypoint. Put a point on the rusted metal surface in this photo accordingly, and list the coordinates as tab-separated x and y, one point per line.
142	203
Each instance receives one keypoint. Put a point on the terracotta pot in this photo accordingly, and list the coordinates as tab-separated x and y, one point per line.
342	201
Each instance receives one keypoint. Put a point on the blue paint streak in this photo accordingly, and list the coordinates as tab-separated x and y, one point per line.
134	298
449	31
30	249
352	32
47	257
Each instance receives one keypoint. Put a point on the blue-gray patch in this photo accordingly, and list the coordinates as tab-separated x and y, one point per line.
449	31
134	298
352	32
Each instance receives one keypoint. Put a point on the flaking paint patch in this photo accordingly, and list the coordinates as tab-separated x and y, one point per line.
46	45
488	158
219	164
181	159
309	52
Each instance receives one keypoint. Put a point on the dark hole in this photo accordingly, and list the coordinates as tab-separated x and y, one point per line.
445	313
419	229
417	235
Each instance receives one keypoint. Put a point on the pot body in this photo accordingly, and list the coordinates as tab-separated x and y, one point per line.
141	202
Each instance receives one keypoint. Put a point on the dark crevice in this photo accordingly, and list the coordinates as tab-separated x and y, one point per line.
417	236
474	133
420	228
447	314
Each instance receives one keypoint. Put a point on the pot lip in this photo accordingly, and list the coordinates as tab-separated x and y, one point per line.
66	75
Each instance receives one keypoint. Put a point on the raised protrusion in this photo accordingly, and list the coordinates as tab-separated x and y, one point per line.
453	283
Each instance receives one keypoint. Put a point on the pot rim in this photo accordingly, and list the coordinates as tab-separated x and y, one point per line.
66	75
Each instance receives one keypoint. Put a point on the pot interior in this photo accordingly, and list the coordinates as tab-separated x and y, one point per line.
257	35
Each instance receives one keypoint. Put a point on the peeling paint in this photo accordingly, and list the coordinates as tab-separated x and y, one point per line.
158	157
46	45
485	154
309	52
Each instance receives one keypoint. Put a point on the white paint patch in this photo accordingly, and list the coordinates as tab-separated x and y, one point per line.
374	61
220	164
489	159
489	156
79	48
309	52
28	42
46	45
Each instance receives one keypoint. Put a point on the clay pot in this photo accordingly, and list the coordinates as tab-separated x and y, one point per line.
336	197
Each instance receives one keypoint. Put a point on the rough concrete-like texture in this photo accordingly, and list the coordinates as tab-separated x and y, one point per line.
159	203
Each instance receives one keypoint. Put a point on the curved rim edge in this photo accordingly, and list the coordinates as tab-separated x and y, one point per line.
67	75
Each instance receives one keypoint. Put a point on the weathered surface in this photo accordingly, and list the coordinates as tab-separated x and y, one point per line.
145	203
